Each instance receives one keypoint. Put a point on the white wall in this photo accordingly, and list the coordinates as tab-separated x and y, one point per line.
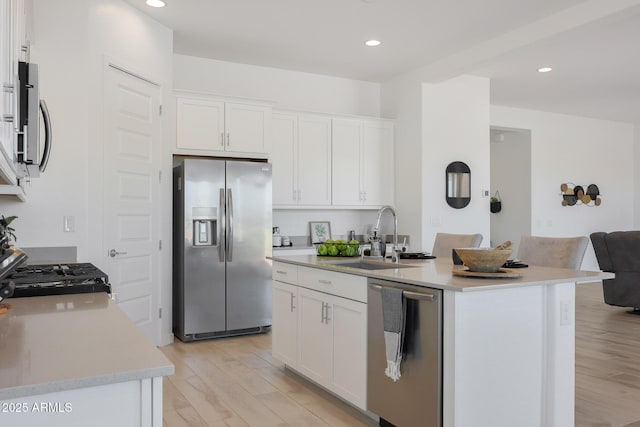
296	222
287	89
582	151
402	100
455	127
636	156
59	43
69	41
511	177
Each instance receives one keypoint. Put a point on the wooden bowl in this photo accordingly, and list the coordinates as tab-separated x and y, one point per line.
484	260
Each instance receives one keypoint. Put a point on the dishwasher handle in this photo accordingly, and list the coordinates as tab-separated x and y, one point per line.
411	295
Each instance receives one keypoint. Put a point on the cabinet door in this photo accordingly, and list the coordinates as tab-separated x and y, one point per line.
284	329
314	160
7	77
315	343
349	377
247	127
283	157
346	162
200	124
377	164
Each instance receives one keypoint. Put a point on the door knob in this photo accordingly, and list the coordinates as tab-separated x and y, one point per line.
113	253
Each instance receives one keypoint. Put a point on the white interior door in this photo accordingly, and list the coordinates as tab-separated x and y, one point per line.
132	148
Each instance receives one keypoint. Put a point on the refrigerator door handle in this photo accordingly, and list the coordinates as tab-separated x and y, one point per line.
230	225
223	219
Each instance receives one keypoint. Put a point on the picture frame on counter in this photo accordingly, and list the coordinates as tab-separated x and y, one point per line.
320	231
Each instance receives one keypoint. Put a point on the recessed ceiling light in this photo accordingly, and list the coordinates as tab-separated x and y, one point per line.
156	3
544	69
372	43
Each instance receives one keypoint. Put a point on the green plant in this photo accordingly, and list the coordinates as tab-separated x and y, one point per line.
5	227
494	199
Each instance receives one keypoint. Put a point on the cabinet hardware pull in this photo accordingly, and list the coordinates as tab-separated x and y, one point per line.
325	282
7	118
281	272
326	316
292	306
222	138
322	314
228	142
410	295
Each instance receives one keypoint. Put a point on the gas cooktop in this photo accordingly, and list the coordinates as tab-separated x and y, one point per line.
56	279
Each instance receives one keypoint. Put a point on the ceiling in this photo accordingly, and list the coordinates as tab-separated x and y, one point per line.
590	44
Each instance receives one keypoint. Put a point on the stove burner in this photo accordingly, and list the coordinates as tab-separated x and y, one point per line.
53	279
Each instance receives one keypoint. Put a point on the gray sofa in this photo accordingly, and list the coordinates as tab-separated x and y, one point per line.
619	252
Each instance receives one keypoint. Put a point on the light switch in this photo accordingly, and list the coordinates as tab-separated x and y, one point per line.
69	224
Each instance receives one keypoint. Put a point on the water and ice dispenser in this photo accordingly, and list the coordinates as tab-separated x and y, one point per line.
205	226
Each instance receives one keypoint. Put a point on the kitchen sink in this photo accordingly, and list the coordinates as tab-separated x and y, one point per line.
369	265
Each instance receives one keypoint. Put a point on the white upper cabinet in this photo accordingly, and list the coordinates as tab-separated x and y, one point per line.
377	163
301	156
214	126
284	154
13	47
362	159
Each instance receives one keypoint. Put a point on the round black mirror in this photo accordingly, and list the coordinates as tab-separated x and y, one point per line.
458	182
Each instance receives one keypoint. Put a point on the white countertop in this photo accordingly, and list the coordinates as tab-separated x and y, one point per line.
62	342
436	273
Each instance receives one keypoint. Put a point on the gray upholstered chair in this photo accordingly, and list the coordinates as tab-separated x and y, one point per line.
560	252
619	253
445	242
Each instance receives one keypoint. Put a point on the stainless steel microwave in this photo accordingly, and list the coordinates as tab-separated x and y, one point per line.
30	162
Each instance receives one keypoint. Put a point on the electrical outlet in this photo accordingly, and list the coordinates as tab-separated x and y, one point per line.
485	193
69	224
565	313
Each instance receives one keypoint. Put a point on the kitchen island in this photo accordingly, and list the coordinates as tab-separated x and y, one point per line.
77	360
507	344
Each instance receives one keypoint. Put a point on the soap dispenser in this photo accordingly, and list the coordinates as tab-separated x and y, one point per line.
276	239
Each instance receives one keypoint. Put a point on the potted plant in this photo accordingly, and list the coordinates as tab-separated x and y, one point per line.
495	205
6	230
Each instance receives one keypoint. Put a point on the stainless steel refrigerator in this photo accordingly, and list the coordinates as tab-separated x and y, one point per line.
221	236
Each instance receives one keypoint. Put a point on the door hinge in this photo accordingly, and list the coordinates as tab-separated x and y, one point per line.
160	109
160	313
159	245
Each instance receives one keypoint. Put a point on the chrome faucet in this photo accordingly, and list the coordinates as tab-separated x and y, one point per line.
394	255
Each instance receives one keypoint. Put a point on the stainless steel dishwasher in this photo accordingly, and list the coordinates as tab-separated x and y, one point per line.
416	398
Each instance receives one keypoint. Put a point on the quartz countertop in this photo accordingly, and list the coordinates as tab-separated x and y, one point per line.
436	273
62	342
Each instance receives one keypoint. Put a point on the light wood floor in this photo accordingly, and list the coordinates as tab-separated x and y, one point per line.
607	362
236	382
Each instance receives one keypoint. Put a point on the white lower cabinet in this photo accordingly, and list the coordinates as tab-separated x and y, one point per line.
315	351
349	376
284	336
328	329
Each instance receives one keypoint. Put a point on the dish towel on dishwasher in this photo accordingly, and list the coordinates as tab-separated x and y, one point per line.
393	315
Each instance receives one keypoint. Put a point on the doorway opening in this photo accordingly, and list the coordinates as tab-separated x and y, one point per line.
511	181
